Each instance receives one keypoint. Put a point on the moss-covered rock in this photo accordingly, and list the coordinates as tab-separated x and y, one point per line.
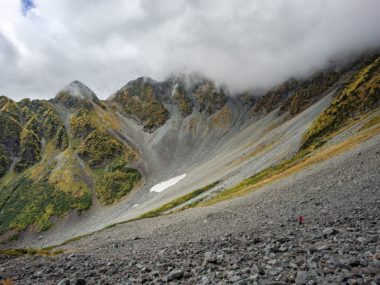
98	148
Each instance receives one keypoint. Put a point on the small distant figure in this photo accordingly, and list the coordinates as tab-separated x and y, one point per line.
301	219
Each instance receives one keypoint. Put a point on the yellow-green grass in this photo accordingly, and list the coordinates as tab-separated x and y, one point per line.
361	95
30	251
154	213
372	122
177	202
299	162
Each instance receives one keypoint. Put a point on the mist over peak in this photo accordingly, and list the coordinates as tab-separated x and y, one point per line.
242	44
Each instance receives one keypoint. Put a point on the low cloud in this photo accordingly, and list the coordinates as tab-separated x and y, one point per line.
242	43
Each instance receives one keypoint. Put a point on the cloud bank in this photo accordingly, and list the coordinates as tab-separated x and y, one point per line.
241	43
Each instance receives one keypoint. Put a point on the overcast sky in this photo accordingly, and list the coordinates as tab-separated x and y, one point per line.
46	44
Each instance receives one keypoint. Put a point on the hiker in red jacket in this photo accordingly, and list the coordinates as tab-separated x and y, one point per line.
301	220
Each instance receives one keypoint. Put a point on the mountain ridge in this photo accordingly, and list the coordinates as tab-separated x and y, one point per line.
77	152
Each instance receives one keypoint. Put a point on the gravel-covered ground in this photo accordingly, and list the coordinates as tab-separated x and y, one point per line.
253	239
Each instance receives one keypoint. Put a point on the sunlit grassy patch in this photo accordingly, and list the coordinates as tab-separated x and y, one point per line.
179	201
298	162
30	251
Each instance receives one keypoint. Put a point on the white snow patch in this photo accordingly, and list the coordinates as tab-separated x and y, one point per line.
166	184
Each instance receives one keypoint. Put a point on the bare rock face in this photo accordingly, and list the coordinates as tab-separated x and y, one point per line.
149	102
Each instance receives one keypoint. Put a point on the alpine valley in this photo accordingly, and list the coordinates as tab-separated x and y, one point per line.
80	173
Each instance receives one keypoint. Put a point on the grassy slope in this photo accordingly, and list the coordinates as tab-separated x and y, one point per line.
359	96
177	202
27	196
108	159
59	182
297	163
356	99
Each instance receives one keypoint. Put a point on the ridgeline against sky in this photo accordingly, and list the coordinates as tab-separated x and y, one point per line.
44	44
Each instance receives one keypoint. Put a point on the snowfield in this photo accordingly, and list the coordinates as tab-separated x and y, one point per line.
167	184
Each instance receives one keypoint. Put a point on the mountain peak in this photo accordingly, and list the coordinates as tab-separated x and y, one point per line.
80	90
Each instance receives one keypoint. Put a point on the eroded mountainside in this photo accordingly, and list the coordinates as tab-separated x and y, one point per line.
76	152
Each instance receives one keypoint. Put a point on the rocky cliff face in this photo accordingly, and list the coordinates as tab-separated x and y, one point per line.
75	150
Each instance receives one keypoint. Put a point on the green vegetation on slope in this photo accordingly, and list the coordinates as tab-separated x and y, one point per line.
72	102
48	179
25	125
372	122
26	202
139	100
30	251
5	161
10	133
176	202
117	181
81	124
61	138
106	155
30	149
300	161
33	133
183	102
99	148
307	92
296	95
209	98
360	95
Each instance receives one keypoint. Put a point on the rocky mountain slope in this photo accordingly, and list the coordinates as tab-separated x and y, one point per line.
255	239
82	163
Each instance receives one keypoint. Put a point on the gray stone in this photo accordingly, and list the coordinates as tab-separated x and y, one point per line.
328	232
323	247
80	281
174	275
234	278
302	277
205	280
64	282
209	258
377	279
